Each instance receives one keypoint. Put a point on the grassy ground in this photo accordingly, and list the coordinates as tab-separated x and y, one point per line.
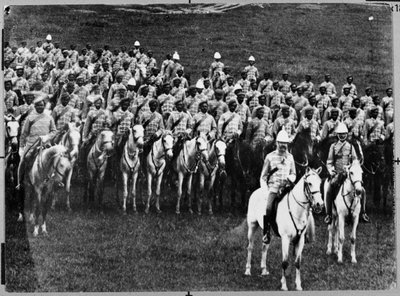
88	252
138	252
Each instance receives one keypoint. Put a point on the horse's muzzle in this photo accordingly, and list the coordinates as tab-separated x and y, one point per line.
317	208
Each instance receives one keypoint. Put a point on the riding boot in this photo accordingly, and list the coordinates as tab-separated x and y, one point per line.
20	174
364	216
266	230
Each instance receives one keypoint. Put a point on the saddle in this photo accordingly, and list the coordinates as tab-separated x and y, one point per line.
182	138
336	183
148	144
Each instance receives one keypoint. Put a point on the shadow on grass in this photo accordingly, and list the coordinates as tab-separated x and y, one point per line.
20	269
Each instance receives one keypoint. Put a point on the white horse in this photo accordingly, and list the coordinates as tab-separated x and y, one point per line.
208	171
156	162
96	165
347	204
186	165
293	219
70	140
50	168
130	162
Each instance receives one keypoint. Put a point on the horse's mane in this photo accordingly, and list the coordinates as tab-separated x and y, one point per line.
53	151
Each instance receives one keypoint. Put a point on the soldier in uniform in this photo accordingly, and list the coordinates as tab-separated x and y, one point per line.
230	124
204	122
123	119
180	124
310	122
329	127
341	154
37	130
330	87
63	114
284	122
387	105
258	129
374	129
278	172
153	125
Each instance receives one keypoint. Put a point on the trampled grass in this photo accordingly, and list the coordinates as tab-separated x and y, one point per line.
89	252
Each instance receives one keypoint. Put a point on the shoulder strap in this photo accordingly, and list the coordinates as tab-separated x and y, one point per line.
197	124
373	128
226	123
63	112
175	124
147	122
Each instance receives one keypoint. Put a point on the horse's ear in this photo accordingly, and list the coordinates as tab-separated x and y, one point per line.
319	170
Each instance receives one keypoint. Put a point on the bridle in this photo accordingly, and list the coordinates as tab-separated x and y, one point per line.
165	150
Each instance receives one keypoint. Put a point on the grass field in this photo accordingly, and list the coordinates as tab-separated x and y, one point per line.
89	252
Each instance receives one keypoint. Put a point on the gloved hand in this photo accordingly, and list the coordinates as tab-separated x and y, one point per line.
44	138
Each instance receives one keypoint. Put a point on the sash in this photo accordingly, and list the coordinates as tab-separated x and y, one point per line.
370	131
175	124
140	107
40	116
191	104
214	110
147	122
63	112
226	123
253	131
118	122
197	124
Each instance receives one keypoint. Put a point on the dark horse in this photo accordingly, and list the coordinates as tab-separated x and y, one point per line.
375	170
238	170
258	154
302	150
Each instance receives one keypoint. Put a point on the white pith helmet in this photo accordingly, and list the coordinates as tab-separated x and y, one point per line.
282	137
341	128
252	59
137	43
217	55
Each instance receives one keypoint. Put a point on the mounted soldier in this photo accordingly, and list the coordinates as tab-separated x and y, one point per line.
278	175
37	130
341	154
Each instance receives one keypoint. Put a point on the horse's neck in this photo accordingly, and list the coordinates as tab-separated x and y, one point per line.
131	146
46	157
212	158
97	147
298	199
189	150
347	187
158	149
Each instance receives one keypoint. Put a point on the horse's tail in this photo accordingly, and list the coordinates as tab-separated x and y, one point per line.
310	231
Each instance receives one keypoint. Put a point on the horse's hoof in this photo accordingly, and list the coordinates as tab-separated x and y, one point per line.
20	218
177	212
45	233
284	288
299	289
340	261
69	210
247	273
210	213
190	211
199	213
146	211
124	213
354	261
53	208
264	272
329	252
35	234
159	211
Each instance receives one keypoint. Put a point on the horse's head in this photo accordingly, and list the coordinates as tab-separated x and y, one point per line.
60	164
74	138
312	185
220	150
12	133
107	141
137	133
168	142
354	174
202	145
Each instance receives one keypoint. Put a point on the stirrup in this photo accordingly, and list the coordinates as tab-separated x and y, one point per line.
266	239
365	218
328	219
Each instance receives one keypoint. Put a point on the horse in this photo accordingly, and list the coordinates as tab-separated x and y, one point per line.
375	168
50	168
258	153
208	170
156	162
347	204
302	150
130	163
292	221
96	164
320	155
12	134
70	139
186	164
239	169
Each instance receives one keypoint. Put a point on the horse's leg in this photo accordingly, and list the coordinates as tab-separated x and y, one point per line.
330	238
149	192
134	182
340	230
189	192
45	205
264	253
125	179
158	191
252	227
37	209
353	237
180	184
285	261
299	249
68	189
201	192
335	234
209	188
